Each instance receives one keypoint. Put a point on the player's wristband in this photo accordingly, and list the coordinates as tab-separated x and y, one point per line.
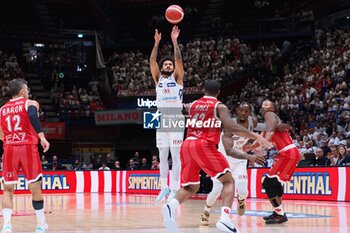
34	119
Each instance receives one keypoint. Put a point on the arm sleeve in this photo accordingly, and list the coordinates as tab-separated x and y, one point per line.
34	119
260	127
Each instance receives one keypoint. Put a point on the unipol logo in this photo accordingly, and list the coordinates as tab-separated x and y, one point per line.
146	103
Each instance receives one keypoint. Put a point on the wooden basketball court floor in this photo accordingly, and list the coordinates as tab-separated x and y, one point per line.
106	213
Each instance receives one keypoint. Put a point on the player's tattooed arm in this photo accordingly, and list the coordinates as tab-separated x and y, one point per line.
228	145
271	122
153	58
179	69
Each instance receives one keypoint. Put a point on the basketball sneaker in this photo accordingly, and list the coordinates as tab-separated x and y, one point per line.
41	228
163	194
205	218
270	216
7	228
169	218
277	219
226	225
241	207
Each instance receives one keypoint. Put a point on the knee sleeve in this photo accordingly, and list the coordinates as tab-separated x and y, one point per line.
215	193
164	165
272	187
38	205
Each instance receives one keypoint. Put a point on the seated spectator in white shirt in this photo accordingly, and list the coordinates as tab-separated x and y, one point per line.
334	140
104	167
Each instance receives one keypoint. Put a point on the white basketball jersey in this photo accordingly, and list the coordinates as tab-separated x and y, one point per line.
169	93
238	142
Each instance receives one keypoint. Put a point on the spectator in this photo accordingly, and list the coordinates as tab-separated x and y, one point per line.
104	167
344	157
77	166
43	160
55	163
155	163
117	165
320	158
131	165
136	159
144	165
334	140
334	155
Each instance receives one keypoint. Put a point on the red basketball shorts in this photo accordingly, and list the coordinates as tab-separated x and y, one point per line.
200	154
25	157
284	165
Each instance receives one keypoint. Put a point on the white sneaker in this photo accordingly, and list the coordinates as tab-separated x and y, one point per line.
169	219
7	228
226	226
171	196
163	194
42	228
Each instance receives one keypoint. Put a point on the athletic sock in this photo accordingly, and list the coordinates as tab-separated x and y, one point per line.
7	212
279	210
40	216
225	213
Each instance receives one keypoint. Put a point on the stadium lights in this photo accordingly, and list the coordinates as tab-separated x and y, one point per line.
39	45
80	35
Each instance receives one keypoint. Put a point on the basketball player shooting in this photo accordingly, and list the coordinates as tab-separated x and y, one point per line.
21	129
199	151
284	165
168	77
238	166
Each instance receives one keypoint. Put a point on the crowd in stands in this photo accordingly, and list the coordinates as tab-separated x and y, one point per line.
313	96
102	163
219	59
9	69
67	100
47	60
76	102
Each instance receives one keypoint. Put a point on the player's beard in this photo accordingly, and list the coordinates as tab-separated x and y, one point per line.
241	120
166	73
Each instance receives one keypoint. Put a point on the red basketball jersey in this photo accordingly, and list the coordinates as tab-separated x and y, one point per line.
281	140
203	122
15	123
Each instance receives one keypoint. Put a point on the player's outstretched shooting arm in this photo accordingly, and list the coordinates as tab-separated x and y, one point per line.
153	58
179	69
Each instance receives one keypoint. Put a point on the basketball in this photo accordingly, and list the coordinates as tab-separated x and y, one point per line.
174	14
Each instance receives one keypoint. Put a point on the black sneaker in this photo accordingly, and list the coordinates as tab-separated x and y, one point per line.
270	216
277	219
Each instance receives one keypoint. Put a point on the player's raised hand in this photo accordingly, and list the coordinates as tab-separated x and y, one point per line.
175	33
247	147
45	144
157	36
263	142
257	158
